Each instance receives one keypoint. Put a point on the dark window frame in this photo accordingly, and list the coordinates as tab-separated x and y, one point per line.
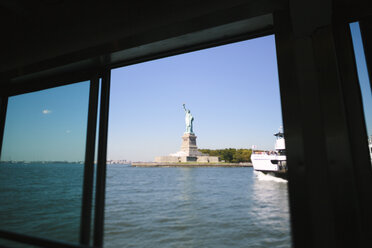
87	197
299	228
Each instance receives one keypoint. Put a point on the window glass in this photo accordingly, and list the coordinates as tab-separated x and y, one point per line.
364	82
232	93
42	160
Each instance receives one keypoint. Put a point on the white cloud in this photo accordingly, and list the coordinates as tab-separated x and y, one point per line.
68	131
46	111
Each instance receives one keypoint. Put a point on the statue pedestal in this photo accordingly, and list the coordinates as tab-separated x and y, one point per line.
189	150
188	153
189	146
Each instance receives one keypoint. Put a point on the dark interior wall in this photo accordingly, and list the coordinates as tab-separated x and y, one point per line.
44	34
330	177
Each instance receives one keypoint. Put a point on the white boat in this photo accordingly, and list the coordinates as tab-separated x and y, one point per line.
272	162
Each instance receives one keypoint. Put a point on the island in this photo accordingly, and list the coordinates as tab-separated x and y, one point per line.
189	155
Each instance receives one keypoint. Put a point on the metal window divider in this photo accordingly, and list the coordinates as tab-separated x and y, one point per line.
3	108
86	209
101	161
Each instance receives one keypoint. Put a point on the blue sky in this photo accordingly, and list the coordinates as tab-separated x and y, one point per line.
47	125
364	82
231	90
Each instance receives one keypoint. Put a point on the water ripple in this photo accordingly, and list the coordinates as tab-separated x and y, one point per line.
194	207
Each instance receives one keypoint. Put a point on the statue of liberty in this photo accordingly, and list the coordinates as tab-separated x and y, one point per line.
188	119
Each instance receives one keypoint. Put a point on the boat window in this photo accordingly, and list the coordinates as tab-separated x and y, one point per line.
42	162
364	80
232	92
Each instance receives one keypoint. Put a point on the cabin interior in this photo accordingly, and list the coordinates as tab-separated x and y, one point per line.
49	43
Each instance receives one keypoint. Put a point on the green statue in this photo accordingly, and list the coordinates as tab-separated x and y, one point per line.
188	119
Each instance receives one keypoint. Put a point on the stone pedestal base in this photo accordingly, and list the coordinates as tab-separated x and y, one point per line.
189	147
167	159
188	153
208	159
182	159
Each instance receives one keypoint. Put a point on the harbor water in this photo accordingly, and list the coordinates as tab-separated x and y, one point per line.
150	207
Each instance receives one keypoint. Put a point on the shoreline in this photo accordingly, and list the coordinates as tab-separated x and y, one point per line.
189	164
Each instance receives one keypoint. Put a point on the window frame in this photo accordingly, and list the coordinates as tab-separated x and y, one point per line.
88	178
300	227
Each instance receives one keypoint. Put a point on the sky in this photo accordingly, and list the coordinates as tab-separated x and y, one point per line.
232	91
48	125
365	86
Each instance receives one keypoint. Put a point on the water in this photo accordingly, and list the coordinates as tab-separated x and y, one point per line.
41	199
151	207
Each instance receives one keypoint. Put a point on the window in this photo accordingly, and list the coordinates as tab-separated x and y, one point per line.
42	162
364	81
232	92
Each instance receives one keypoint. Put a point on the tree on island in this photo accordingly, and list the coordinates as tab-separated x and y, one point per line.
230	155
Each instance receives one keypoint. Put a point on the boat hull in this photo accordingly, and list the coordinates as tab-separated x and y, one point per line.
272	164
281	174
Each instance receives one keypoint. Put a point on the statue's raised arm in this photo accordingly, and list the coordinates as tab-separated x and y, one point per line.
184	107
